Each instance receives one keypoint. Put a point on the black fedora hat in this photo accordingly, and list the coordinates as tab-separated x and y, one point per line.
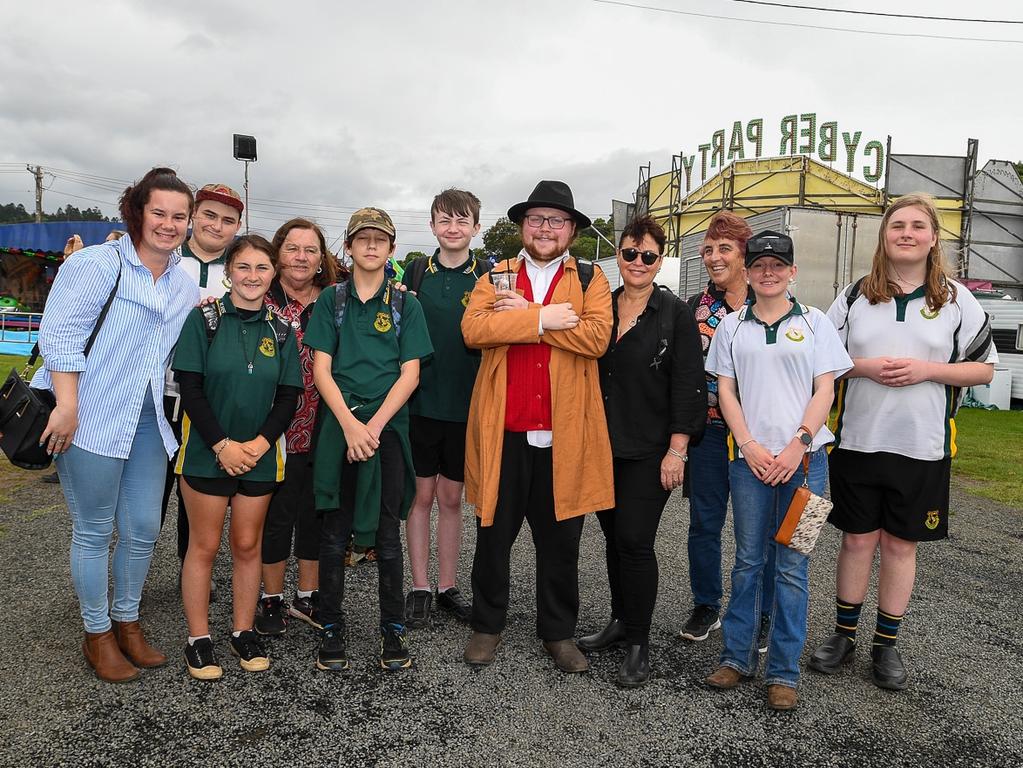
550	194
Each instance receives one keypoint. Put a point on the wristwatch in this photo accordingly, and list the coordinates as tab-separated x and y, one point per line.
805	436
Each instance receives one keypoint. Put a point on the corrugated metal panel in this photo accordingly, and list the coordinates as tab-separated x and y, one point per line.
610	268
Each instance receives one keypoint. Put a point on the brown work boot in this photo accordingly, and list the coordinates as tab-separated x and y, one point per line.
106	659
567	656
781	697
481	648
723	678
133	645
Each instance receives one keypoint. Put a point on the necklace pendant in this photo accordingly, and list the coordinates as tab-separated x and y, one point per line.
250	369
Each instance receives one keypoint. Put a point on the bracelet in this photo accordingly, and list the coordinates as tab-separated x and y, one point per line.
683	456
743	445
216	454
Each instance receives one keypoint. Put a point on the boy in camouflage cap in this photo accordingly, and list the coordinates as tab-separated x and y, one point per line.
363	478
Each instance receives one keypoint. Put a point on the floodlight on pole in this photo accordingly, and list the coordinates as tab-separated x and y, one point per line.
245	150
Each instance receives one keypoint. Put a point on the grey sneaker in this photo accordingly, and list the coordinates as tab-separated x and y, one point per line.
702	621
418	607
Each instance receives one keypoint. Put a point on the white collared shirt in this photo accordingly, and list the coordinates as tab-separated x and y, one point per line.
540	277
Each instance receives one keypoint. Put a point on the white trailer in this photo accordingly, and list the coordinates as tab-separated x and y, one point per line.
1006	324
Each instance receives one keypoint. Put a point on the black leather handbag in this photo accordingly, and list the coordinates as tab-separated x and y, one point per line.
24	410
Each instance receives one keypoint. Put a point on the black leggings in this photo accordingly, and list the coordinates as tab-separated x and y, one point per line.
630	529
337	527
292	508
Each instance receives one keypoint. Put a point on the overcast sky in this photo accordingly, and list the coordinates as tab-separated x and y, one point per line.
388	103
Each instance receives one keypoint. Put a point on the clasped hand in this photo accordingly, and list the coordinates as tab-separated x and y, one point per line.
239	458
771	469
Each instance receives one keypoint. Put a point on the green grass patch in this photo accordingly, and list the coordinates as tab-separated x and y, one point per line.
14	361
988	462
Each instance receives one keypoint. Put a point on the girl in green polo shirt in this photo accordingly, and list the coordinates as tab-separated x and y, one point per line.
237	367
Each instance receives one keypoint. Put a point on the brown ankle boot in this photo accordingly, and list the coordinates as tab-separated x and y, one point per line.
106	659
133	645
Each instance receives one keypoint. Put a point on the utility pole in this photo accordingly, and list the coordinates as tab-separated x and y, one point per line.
38	173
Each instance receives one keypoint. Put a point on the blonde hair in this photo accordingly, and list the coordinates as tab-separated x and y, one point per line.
878	286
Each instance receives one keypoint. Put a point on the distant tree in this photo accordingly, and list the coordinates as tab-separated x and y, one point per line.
411	256
502	240
16	214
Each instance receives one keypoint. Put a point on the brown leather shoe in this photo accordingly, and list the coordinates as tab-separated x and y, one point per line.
106	659
723	678
481	649
133	645
781	697
567	656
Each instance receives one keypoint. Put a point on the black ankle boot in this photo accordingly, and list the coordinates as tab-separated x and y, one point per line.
635	668
613	635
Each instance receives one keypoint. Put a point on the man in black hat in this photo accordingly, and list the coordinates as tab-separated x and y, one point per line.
536	411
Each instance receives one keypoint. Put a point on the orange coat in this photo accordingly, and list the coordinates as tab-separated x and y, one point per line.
583	480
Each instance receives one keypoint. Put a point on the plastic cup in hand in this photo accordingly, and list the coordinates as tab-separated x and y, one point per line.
504	281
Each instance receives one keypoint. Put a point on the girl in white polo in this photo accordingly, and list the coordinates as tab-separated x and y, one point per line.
916	338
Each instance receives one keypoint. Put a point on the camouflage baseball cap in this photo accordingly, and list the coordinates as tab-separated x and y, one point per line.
370	218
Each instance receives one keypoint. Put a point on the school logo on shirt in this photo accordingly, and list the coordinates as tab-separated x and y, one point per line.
465	299
932	519
926	313
266	346
794	334
383	322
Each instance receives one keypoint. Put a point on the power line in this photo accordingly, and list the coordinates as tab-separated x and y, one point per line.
805	26
878	13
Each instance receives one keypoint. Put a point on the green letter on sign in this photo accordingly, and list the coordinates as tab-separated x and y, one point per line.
788	135
735	142
755	133
809	133
717	156
850	149
827	151
878	150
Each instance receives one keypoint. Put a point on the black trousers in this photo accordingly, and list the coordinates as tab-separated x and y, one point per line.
293	508
629	530
526	492
337	528
170	483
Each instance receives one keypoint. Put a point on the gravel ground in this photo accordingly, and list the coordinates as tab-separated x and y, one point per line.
964	705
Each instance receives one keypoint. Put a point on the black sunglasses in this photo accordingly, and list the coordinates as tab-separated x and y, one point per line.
761	245
649	257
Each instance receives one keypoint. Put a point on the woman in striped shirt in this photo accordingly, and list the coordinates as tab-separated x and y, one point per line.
110	440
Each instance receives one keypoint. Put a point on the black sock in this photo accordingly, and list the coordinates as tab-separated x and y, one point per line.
887	630
847	615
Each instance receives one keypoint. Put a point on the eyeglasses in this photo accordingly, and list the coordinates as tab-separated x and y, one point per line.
649	257
536	221
292	250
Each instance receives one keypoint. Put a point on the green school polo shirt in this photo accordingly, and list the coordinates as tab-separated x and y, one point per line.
446	380
241	400
367	353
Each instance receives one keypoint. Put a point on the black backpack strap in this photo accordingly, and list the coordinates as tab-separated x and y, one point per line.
340	301
211	318
666	321
415	271
585	272
396	303
850	299
480	266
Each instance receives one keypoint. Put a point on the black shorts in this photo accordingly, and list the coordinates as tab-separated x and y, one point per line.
906	497
230	486
438	447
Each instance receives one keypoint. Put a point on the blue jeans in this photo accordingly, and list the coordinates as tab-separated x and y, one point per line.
102	492
758	511
708	506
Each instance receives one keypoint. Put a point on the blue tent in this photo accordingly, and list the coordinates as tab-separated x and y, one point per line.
52	235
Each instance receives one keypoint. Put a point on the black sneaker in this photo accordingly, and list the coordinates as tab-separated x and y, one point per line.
271	618
452	600
307	609
202	661
418	606
394	653
702	621
249	651
332	655
764	633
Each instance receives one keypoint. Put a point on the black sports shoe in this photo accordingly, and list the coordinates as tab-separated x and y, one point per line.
202	661
394	653
332	656
702	621
307	609
454	602
418	605
249	651
764	634
888	670
271	617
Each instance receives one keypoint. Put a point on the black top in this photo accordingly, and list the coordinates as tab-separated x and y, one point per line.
652	378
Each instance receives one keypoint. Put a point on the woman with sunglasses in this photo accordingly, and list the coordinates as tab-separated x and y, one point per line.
655	401
776	361
237	367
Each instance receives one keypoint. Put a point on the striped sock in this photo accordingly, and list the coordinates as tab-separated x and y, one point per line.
847	615
887	631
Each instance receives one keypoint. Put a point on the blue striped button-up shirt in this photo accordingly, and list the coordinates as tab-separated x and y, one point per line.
131	351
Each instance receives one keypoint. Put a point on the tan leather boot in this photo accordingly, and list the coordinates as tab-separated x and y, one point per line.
106	659
133	645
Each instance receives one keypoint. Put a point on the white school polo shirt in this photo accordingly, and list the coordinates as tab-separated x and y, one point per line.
914	421
774	367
